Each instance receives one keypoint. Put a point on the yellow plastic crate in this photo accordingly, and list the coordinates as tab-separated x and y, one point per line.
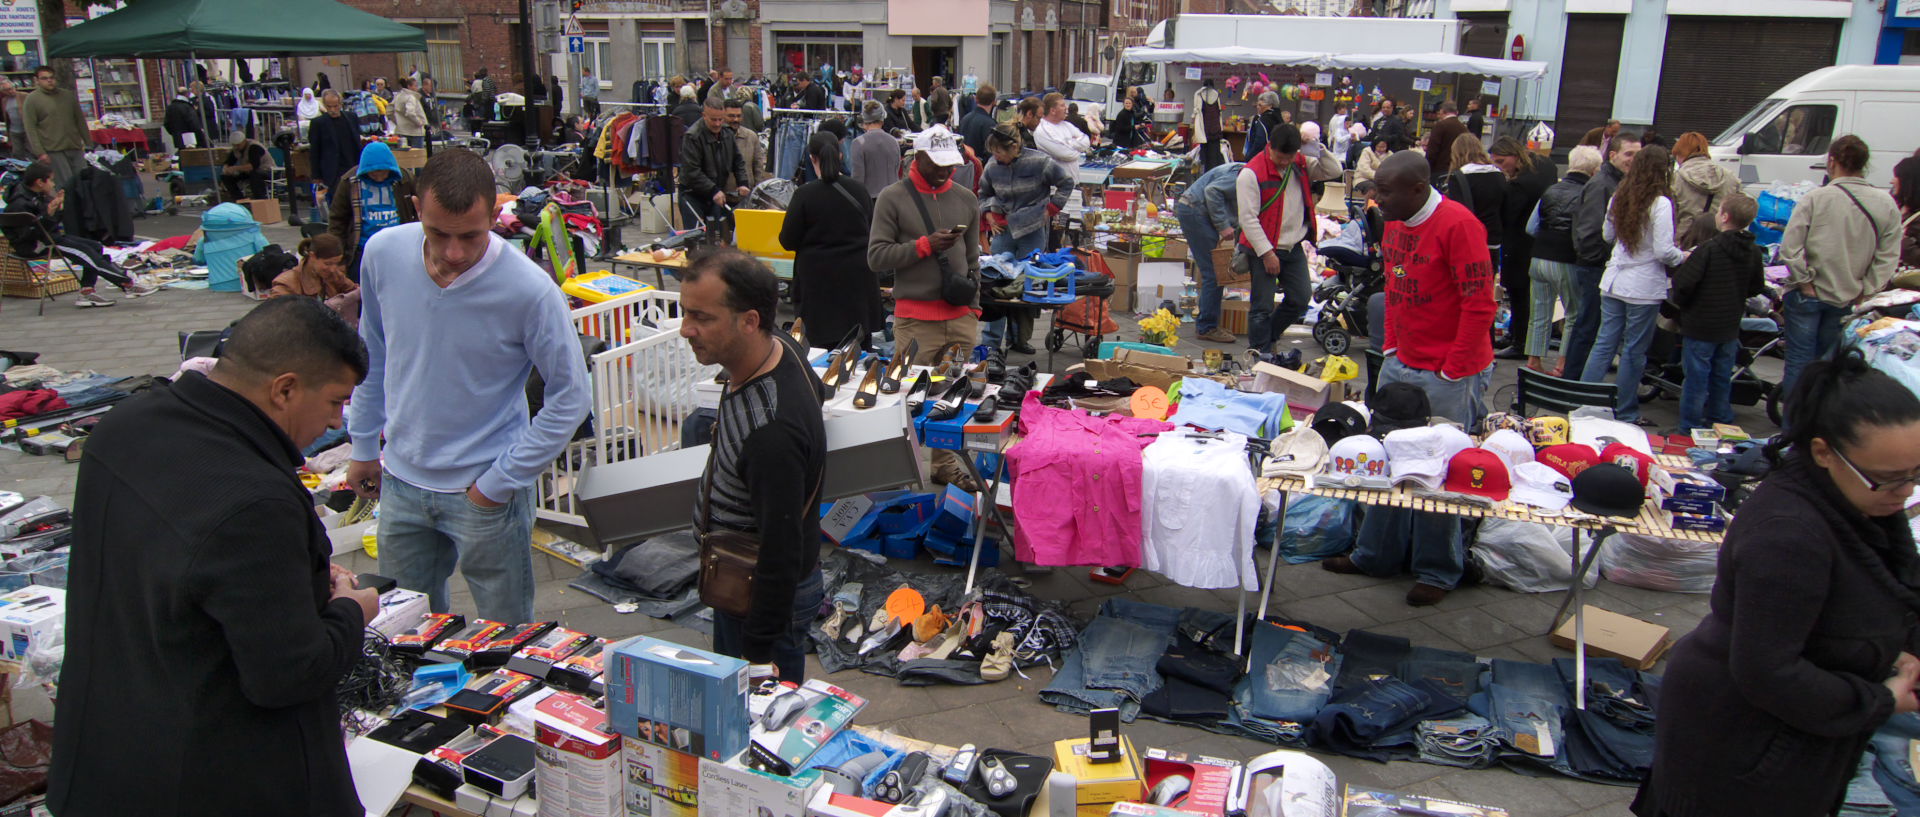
757	232
600	287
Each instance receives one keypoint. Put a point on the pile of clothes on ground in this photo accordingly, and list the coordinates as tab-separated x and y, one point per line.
1362	694
656	576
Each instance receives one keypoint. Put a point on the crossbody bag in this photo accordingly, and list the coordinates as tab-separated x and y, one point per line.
955	287
728	558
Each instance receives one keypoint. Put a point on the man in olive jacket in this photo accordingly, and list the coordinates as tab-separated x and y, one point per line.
902	240
206	627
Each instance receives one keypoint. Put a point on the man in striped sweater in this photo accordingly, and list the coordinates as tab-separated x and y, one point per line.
769	456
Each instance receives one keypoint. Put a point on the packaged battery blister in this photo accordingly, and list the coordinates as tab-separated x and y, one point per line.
461	646
423	636
538	657
439	770
499	649
581	671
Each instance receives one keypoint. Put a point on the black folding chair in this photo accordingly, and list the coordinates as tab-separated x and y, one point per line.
1560	394
40	269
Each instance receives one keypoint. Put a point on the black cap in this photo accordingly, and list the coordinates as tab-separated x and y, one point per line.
1337	420
1398	405
1608	490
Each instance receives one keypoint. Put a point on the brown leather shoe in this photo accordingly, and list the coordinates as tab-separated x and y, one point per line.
1218	335
1425	595
1339	564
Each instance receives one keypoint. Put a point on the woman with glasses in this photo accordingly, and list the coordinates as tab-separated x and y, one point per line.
1809	643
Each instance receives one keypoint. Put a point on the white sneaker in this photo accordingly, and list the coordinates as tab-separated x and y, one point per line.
88	299
139	290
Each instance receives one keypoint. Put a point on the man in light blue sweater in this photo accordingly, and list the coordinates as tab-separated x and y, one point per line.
455	320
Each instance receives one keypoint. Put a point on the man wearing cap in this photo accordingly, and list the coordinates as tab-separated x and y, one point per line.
1439	319
1275	208
927	229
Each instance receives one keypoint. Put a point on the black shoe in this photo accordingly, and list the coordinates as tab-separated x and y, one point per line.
840	365
955	396
897	367
1510	353
997	366
798	330
869	392
917	393
1024	348
989	407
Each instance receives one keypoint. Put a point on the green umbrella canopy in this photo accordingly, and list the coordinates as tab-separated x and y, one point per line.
210	29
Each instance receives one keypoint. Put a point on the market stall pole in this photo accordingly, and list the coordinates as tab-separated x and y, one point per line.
1650	522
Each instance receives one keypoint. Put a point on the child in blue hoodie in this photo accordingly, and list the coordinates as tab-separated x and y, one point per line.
380	196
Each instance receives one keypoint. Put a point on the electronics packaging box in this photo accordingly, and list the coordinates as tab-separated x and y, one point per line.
678	697
538	658
1697	485
476	800
730	789
423	636
1361	802
500	649
579	772
1636	643
1100	784
461	646
1708	522
400	612
659	782
1696	507
580	671
786	750
1212	779
31	616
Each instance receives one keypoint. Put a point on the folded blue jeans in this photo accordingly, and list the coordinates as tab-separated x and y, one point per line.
1290	674
1365	655
1070	691
1460	679
1121	655
1612	691
1529	704
1361	716
1465	740
1891	767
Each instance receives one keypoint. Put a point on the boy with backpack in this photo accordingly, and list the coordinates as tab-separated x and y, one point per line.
1711	289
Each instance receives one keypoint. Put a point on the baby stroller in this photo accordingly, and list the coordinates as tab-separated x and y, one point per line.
1760	334
1357	276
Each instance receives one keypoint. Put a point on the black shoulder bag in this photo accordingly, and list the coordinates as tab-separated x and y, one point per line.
956	288
728	558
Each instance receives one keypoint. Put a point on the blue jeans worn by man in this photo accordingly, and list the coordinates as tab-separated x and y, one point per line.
424	533
1201	238
1626	329
1705	394
1265	324
1812	332
994	332
790	652
1584	324
1433	545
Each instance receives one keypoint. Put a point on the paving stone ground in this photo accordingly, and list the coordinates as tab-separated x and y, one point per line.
141	337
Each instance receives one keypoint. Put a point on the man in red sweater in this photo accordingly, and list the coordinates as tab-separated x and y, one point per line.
1439	320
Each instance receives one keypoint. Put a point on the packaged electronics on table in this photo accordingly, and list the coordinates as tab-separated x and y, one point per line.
678	697
538	658
581	671
459	647
579	759
500	649
817	711
420	638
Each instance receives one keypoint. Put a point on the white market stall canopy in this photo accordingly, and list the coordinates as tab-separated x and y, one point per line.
1433	62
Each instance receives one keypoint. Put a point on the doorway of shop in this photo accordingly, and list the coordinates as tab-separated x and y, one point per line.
934	61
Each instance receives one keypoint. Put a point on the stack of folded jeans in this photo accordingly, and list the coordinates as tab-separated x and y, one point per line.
1527	703
1197	683
1289	679
1466	740
1376	719
1365	656
1865	796
1114	666
1613	737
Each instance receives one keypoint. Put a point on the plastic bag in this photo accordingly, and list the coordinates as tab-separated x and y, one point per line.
1315	528
1654	563
1527	557
1540	137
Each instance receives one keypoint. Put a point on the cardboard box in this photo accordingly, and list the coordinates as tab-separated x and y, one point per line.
579	765
1302	390
400	610
1636	643
1176	250
1144	368
841	518
1233	316
1101	784
678	697
1126	272
410	158
1212	778
265	211
786	750
951	433
729	789
1159	281
659	782
1223	273
31	616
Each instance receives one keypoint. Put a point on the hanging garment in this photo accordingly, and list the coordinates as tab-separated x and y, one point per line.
1198	509
1076	486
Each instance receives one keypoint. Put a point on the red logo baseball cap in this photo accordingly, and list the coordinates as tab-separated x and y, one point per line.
1630	458
1480	472
1569	458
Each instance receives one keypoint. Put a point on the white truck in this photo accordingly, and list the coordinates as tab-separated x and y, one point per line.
1348	35
1785	138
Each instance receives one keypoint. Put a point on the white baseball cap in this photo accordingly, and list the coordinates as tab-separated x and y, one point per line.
1539	485
1420	455
1359	461
940	145
1511	445
1300	451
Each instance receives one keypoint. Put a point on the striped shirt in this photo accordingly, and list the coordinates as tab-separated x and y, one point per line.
768	458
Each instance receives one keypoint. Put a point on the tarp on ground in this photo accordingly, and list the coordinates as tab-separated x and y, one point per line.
215	29
1432	62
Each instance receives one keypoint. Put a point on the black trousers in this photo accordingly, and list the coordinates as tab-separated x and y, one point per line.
89	256
256	182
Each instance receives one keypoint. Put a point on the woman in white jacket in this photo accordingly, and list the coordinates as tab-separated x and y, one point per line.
1640	223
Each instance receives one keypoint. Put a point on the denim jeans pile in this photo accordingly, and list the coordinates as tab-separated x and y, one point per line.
1378	697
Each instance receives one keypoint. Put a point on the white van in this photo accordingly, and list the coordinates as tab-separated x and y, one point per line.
1786	137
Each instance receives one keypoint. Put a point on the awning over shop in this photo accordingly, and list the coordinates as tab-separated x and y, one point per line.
235	28
1434	62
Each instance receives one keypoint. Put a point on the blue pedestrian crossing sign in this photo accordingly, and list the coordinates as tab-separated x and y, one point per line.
577	44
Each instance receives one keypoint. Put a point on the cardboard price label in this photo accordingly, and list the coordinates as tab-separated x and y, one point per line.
1150	402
